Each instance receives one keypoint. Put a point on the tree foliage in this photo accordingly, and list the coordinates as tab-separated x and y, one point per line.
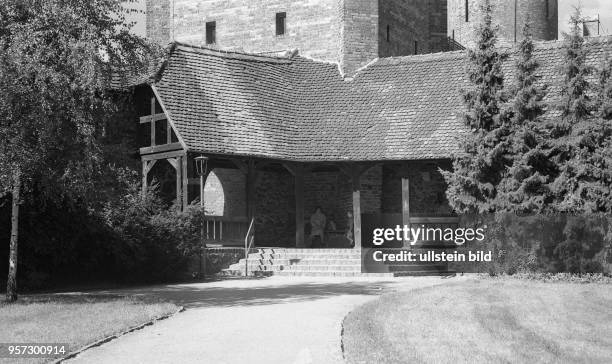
517	157
531	153
58	59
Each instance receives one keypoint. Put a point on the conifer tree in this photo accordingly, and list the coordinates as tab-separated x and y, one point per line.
523	186
579	143
478	169
604	97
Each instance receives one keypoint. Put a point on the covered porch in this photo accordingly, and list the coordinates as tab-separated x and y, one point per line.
281	196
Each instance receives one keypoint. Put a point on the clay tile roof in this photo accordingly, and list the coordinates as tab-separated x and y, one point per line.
292	108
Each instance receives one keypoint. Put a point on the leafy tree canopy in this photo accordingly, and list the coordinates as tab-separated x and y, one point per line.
58	59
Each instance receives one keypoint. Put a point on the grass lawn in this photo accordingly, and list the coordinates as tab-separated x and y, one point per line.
74	320
485	321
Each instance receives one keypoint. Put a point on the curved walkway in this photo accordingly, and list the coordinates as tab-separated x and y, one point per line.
273	320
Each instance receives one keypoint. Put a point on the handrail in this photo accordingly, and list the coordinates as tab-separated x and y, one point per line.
248	242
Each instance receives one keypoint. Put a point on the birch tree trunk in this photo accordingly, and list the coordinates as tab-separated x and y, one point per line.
11	285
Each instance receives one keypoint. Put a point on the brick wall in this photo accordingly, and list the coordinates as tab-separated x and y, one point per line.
225	193
544	21
359	20
427	189
381	191
438	23
312	26
275	209
332	191
159	15
410	21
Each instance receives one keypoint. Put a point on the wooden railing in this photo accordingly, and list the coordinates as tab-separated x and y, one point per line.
225	230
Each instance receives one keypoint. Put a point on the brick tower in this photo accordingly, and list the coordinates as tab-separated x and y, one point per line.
510	15
348	32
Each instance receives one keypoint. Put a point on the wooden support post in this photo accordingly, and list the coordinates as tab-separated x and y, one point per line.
299	206
147	165
406	203
152	121
354	171
177	164
145	183
185	181
251	179
168	132
179	181
355	179
298	171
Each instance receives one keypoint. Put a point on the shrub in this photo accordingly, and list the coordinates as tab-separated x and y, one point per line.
558	277
152	243
576	244
126	239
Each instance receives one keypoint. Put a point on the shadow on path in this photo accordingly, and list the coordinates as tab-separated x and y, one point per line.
196	296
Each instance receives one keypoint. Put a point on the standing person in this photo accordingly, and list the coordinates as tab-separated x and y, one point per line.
349	229
317	224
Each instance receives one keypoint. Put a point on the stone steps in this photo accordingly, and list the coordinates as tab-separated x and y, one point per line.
319	263
308	261
333	274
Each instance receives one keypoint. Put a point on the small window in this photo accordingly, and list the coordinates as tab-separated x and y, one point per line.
211	32
416	47
388	33
547	10
467	11
281	23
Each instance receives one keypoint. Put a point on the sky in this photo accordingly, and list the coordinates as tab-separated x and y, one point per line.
590	8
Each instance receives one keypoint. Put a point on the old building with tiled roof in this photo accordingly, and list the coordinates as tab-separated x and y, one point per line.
284	132
268	120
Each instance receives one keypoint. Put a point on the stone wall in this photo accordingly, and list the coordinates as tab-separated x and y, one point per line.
213	261
543	15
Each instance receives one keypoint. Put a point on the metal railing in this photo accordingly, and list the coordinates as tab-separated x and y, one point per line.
224	230
248	242
452	45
